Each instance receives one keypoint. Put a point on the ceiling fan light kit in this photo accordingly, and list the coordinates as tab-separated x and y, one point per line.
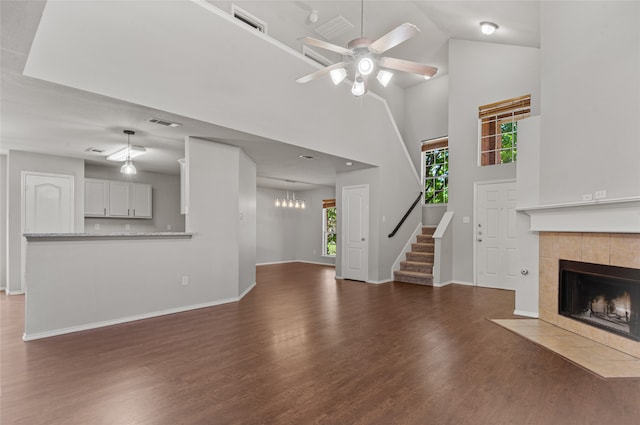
488	28
362	58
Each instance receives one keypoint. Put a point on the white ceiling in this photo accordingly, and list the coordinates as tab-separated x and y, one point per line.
38	116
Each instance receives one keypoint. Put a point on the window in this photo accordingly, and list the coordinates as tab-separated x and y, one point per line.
329	227
435	154
499	129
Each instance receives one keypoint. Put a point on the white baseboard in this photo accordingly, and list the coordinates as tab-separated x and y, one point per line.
339	277
440	285
315	262
276	262
526	313
15	292
460	282
246	291
95	325
379	282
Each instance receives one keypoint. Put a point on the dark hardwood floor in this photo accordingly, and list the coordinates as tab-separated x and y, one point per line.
303	348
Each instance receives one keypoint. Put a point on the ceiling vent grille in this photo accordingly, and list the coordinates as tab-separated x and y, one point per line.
95	150
315	56
334	28
247	18
164	122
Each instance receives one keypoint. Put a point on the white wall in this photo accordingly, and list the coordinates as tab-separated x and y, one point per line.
426	116
591	99
76	285
275	230
247	223
17	162
3	222
165	198
480	73
268	104
285	234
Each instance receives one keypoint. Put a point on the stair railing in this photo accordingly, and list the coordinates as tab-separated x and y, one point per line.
392	234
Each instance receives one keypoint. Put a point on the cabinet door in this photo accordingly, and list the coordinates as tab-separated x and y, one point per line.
118	199
141	200
95	197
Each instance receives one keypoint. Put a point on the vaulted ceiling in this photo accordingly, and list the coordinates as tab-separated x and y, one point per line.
44	117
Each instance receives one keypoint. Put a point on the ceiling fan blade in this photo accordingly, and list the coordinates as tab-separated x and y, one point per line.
321	72
408	66
393	38
327	46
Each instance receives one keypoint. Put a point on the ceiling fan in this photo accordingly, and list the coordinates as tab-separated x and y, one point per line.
362	57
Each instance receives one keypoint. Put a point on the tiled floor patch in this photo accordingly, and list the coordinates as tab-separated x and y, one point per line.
599	359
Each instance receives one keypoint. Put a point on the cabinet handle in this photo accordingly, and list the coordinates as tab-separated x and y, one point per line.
134	212
105	211
128	211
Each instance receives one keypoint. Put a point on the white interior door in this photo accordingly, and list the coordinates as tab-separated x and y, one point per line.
355	232
496	235
47	207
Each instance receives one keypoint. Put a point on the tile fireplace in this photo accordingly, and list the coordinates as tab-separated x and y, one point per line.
620	250
603	296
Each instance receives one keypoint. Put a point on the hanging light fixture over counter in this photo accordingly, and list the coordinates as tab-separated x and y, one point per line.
290	202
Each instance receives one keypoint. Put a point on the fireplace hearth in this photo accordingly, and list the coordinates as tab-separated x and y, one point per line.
606	297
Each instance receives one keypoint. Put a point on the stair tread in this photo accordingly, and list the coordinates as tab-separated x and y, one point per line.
417	263
413	274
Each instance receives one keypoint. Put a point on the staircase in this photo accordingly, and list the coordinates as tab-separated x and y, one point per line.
418	266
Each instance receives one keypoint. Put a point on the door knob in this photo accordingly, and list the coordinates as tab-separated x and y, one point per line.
479	239
362	239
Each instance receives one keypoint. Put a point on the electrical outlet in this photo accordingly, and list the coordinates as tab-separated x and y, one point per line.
314	252
96	226
168	227
600	194
185	280
466	220
127	227
587	197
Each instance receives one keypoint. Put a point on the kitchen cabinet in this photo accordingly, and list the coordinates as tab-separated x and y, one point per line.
96	197
110	198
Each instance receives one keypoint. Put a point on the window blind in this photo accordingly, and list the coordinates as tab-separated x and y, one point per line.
433	144
328	203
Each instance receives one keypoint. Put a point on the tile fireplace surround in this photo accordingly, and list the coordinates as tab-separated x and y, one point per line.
615	249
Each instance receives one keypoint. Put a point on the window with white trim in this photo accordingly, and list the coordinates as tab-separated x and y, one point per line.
435	158
498	133
329	227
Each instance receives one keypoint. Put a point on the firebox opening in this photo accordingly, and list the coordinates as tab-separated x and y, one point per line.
606	297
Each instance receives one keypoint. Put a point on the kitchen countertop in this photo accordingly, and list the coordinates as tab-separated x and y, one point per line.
38	237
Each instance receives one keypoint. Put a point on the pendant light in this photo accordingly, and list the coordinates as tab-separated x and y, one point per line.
290	202
128	167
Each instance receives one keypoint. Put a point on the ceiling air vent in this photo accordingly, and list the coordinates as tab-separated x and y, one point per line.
164	122
334	28
315	56
246	17
94	150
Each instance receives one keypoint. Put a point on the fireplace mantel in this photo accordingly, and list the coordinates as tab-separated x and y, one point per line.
603	216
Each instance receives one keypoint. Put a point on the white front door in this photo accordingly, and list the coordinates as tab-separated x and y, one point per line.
496	235
47	206
355	232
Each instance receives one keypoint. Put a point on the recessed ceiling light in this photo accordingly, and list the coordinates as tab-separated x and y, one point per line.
349	164
306	157
488	28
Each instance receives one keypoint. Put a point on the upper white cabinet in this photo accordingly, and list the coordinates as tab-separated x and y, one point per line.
96	197
109	198
140	200
119	199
